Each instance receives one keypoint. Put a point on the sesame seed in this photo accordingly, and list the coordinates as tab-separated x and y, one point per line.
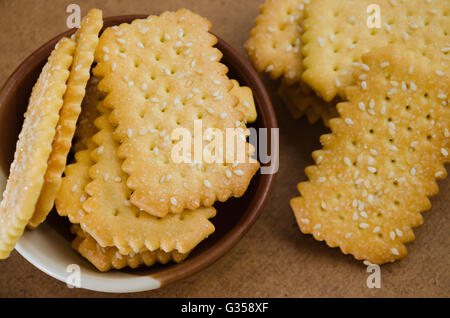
384	64
238	172
121	40
363	225
228	173
304	220
173	201
362	106
338	82
413	171
347	161
445	49
223	115
376	229
372	169
82	198
439	174
399	233
363	85
74	188
323	205
348	235
321	41
139	44
442	96
106	57
100	149
440	73
444	152
395	251
392	235
117	179
130	83
269	68
365	67
349	121
114	66
207	183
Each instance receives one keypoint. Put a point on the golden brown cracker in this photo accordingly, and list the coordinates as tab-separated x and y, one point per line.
160	81
85	126
86	41
106	258
337	34
34	146
300	100
378	167
274	43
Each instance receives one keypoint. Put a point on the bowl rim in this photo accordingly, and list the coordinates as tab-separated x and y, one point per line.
263	188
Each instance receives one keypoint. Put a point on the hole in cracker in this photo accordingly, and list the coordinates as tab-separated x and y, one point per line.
395	183
116	212
429	137
393	160
408	107
396	202
371	131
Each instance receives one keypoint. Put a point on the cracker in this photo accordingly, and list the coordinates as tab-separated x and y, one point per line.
161	80
106	258
85	127
34	146
300	100
246	103
86	41
373	177
105	212
336	35
274	44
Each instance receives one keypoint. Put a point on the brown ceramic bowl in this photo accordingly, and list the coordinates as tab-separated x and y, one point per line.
48	247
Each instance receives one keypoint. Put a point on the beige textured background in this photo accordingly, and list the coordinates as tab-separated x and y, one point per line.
274	259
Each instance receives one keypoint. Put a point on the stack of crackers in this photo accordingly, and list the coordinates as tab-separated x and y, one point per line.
389	61
128	201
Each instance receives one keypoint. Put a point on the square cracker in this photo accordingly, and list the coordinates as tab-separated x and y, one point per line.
336	36
164	79
86	39
274	43
104	210
106	258
378	167
34	146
